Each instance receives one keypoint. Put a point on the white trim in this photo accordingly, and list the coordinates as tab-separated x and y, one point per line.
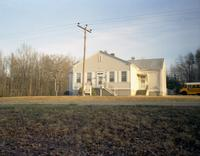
100	74
93	79
99	58
128	76
119	76
119	88
116	77
107	76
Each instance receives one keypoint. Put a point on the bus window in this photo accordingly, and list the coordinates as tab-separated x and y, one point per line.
191	89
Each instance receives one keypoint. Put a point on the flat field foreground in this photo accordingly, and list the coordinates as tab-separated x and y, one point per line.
120	126
113	100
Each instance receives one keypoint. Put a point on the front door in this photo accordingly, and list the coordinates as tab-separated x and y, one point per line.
142	82
100	79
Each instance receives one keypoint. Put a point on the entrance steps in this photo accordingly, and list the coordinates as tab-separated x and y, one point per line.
141	92
105	92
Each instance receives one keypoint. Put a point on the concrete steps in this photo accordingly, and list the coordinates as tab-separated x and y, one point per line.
96	92
141	92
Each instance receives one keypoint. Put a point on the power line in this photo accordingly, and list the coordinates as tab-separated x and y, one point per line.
121	19
51	29
41	35
144	23
149	14
142	16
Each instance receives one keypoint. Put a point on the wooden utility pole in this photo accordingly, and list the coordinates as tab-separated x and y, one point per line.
85	29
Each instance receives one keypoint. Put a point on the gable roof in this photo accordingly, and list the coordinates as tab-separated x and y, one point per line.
143	64
107	54
113	56
149	64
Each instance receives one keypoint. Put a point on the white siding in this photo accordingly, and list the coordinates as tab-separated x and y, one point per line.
74	74
85	78
134	79
119	77
163	87
93	78
107	77
101	62
154	81
128	76
116	76
106	65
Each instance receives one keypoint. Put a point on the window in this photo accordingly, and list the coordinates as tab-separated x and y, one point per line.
99	58
189	86
100	80
78	77
142	82
89	77
124	76
112	76
196	86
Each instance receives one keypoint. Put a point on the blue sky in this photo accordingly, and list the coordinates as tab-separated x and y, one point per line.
139	28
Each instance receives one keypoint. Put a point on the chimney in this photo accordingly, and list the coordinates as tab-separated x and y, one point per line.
112	54
132	58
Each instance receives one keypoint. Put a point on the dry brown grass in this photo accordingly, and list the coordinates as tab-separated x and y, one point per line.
166	100
99	130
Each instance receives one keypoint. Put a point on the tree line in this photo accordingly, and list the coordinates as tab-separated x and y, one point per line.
186	69
28	73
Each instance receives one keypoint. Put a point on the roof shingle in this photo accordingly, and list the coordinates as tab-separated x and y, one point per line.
149	64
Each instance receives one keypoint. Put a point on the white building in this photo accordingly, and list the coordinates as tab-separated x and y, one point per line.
119	77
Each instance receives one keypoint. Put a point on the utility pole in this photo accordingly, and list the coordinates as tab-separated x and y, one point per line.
85	29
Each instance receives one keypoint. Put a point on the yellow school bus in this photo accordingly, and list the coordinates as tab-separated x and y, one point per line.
191	88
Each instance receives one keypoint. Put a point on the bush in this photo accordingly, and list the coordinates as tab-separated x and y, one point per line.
94	92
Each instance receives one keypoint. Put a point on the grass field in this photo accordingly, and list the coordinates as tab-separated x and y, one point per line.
73	129
114	100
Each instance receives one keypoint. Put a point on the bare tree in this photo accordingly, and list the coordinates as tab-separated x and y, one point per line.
1	75
26	73
197	59
187	68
